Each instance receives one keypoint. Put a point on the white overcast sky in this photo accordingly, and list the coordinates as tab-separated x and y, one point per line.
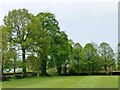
83	20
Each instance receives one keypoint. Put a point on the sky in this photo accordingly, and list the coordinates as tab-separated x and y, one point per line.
83	20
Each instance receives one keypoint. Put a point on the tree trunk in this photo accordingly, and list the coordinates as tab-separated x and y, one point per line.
93	69
38	72
105	68
59	70
24	63
14	66
2	74
2	70
14	71
43	67
105	65
2	65
65	69
78	67
89	68
38	67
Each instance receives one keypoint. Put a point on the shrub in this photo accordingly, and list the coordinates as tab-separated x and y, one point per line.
115	73
19	76
5	78
72	72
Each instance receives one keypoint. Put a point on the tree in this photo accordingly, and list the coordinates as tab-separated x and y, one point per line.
40	43
50	24
6	64
69	52
15	23
77	49
62	52
106	52
118	56
97	60
89	56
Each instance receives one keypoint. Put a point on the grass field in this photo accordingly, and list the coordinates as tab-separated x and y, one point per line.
64	82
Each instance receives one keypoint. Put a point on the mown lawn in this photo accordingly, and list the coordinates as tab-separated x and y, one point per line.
64	82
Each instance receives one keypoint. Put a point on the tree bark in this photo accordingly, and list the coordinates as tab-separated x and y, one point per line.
65	69
43	67
14	71
93	69
105	68
2	70
59	70
89	68
14	66
2	65
78	67
24	63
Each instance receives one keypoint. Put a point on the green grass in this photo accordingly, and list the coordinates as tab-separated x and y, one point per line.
64	82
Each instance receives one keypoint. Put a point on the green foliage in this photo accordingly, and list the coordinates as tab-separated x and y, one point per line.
107	54
118	57
32	63
89	58
7	53
76	57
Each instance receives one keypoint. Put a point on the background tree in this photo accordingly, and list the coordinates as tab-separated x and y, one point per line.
62	52
69	52
106	52
6	63
77	49
89	56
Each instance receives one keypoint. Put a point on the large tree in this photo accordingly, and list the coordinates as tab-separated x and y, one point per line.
40	44
50	24
15	23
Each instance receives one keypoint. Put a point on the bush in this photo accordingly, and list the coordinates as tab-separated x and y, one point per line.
18	76
83	74
115	73
31	74
52	72
72	72
34	74
12	76
8	74
5	78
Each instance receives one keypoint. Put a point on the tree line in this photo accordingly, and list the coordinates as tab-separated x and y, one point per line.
36	43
